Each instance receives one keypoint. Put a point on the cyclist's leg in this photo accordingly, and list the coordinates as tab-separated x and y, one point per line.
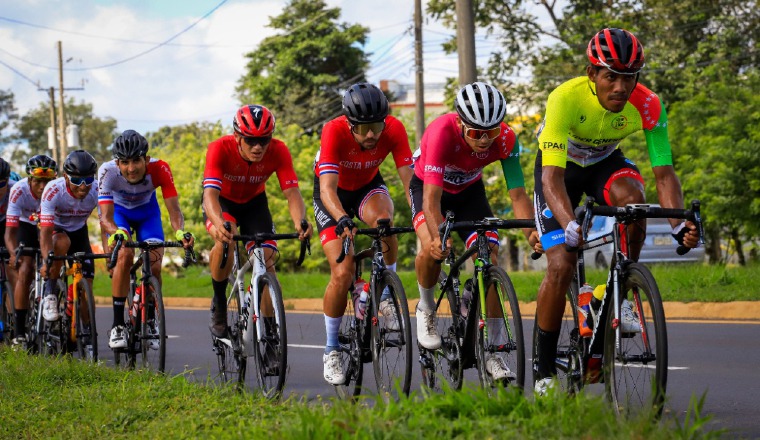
61	245
120	278
27	234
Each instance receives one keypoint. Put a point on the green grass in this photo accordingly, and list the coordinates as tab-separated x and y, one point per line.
64	398
677	282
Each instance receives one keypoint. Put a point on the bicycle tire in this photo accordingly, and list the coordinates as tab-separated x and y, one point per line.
53	337
230	358
153	328
636	375
350	336
391	348
87	336
270	350
444	366
30	328
7	309
507	342
129	354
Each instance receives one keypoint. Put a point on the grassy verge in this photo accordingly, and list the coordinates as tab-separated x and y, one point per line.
677	282
64	398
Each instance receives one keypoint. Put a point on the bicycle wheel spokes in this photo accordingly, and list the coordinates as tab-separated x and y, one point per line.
569	348
153	330
271	345
501	344
391	338
7	307
636	373
86	330
349	338
445	364
232	363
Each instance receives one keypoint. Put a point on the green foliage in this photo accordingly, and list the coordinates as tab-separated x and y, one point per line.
300	72
7	112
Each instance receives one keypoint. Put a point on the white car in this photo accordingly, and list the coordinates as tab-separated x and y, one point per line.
659	245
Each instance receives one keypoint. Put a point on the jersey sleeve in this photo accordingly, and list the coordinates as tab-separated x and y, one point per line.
402	154
286	174
329	161
658	144
14	210
212	173
162	178
552	138
105	192
513	173
47	207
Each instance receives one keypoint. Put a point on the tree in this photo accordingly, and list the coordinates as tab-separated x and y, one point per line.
300	72
7	113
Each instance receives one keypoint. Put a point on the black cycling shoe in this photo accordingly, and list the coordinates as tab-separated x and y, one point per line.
218	325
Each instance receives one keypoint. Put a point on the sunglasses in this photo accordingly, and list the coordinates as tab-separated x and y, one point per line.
252	141
79	181
3	183
363	129
630	70
477	134
44	173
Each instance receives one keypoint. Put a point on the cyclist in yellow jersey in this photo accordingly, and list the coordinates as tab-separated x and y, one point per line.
586	119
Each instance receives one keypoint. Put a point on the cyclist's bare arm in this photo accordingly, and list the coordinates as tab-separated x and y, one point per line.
555	192
328	191
405	174
175	213
431	206
213	210
46	246
297	211
523	207
107	223
670	196
11	243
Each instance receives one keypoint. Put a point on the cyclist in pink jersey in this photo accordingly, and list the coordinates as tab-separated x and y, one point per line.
237	168
127	202
348	184
448	177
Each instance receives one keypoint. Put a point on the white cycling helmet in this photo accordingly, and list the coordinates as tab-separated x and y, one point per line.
481	105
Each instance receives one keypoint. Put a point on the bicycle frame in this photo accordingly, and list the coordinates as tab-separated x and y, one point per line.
256	261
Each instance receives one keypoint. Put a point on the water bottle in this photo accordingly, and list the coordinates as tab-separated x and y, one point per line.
464	305
585	319
360	306
596	300
136	302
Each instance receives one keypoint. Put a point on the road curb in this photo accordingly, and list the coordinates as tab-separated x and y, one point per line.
728	311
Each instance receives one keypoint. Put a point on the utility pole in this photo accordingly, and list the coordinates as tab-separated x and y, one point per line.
419	86
466	42
51	93
61	120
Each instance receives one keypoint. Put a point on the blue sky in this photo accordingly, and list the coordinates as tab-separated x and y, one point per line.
114	53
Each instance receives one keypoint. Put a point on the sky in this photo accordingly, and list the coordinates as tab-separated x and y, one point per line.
152	63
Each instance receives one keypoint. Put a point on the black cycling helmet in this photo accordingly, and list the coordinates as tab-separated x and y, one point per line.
5	169
80	163
481	105
364	103
129	145
44	162
616	49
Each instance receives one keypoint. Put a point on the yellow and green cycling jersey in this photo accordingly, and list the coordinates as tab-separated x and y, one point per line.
577	128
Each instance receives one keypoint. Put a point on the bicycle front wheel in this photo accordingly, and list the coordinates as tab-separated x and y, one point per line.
444	365
153	329
86	332
351	337
636	372
500	341
230	358
270	339
391	339
7	308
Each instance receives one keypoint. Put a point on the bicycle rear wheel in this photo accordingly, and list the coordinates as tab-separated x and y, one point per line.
7	308
391	340
30	327
87	335
350	337
53	337
504	337
445	364
271	346
636	374
153	329
230	358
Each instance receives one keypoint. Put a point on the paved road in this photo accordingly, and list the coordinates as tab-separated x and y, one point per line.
720	359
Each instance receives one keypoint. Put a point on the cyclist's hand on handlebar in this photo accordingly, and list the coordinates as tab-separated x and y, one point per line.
686	234
220	234
345	227
303	235
535	242
12	260
187	243
573	234
112	238
435	249
44	271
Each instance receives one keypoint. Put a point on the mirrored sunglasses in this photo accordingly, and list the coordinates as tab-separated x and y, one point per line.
252	141
43	173
633	69
363	129
477	134
79	181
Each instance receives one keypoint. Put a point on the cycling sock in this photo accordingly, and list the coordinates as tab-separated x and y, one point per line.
220	291
118	311
391	267
20	321
546	352
496	333
427	299
332	326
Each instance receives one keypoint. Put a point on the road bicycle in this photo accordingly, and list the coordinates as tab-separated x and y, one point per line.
472	333
256	316
634	365
34	321
144	314
73	328
384	340
7	303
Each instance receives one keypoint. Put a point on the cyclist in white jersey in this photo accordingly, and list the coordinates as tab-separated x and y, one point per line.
66	204
21	227
127	202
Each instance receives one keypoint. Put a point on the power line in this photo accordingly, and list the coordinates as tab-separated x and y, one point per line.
35	84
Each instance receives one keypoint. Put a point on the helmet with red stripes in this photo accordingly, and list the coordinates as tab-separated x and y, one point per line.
616	49
253	121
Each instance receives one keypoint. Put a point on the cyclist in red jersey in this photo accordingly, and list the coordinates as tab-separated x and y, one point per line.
234	182
448	177
348	184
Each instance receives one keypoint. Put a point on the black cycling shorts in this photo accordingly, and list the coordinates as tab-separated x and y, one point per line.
251	217
80	242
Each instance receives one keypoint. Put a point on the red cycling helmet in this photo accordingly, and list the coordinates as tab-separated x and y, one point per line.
253	121
616	49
